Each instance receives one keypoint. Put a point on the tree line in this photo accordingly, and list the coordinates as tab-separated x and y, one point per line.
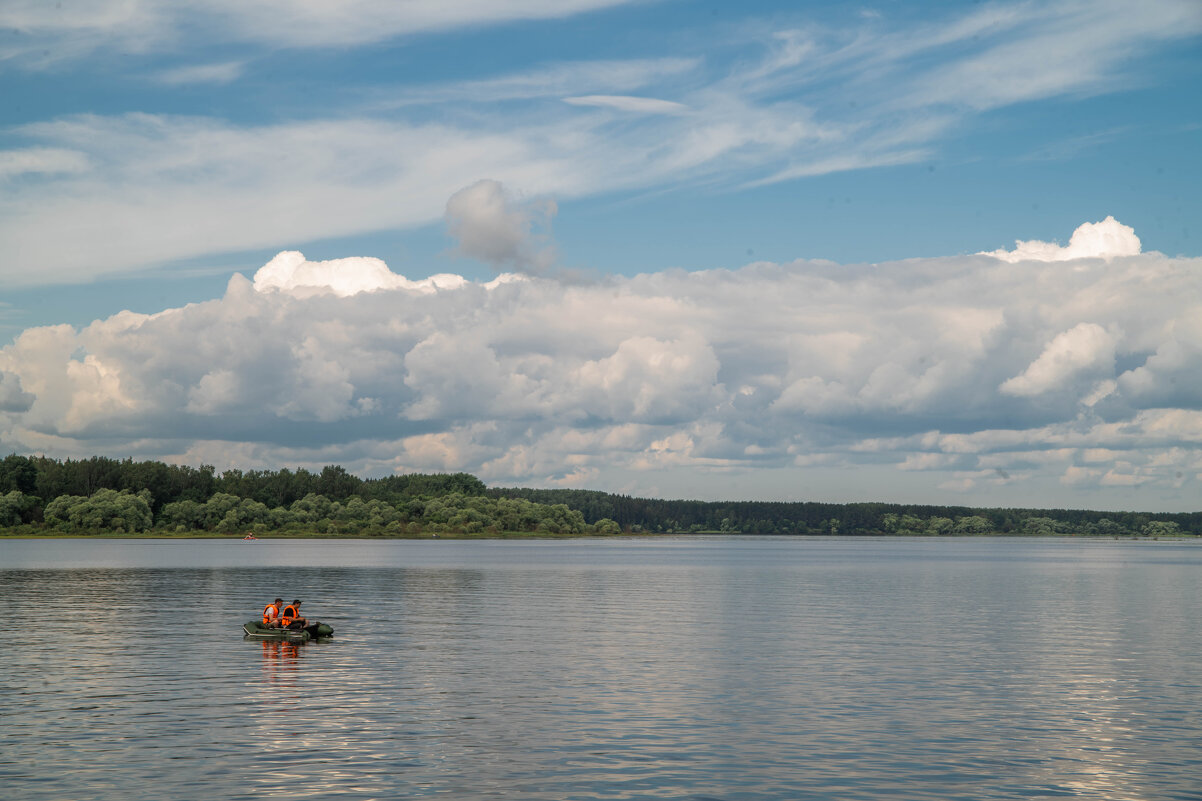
101	494
813	518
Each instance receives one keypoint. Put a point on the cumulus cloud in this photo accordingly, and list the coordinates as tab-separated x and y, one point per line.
947	374
492	226
291	272
12	397
1101	240
1084	348
1168	377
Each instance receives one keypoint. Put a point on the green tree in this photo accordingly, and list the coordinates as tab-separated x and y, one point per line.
972	524
607	528
1043	527
940	526
16	508
311	508
1161	528
1108	528
103	510
247	513
18	473
560	519
216	509
337	484
186	515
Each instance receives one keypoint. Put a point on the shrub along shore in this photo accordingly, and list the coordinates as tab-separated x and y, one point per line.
40	496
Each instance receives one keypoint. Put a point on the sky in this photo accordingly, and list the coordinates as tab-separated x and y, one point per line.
930	252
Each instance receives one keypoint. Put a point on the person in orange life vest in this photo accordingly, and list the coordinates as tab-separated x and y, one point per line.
271	613
290	618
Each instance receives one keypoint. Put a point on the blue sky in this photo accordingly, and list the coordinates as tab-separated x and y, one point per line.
151	151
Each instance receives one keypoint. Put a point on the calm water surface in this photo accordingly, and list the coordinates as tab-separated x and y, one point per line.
690	668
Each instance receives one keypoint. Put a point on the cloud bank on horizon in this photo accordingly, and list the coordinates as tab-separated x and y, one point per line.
578	148
984	376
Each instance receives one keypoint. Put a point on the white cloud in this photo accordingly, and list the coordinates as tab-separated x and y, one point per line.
114	194
1118	478
638	105
547	81
1099	455
158	189
290	272
1102	240
1025	51
940	371
216	390
1169	376
219	73
1071	42
815	395
1100	391
649	380
40	160
1074	475
1085	348
51	34
927	461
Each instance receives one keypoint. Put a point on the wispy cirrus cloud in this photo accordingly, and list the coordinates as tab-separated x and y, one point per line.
41	160
217	73
103	194
545	81
637	105
48	34
1029	52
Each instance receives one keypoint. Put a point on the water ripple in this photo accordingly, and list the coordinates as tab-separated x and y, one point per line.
691	669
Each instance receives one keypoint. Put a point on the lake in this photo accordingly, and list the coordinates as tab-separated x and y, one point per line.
678	668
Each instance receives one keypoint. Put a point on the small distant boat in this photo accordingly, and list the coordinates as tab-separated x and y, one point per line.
255	630
249	537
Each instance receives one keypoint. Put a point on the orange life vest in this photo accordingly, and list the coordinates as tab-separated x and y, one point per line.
290	614
270	613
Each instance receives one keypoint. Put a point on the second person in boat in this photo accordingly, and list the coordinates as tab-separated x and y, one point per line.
290	618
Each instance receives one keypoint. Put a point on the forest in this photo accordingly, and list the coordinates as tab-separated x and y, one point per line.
106	496
102	495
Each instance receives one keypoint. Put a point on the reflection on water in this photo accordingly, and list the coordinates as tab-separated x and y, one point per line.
689	668
279	661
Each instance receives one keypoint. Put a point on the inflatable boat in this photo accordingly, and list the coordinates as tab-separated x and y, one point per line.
255	630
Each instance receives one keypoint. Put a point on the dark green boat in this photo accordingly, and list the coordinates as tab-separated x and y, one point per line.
255	630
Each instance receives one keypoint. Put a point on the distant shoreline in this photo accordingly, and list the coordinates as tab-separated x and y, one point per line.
191	535
59	535
101	496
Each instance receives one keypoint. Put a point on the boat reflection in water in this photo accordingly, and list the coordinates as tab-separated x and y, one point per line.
280	650
280	661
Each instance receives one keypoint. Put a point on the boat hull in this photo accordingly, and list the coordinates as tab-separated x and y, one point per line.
255	630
